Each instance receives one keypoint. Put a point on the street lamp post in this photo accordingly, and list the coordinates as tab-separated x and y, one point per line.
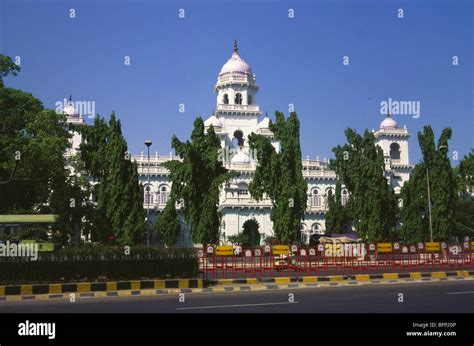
148	144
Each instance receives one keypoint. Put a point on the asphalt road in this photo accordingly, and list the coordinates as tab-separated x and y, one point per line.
437	297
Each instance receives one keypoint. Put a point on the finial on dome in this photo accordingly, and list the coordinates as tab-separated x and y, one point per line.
266	114
70	97
236	50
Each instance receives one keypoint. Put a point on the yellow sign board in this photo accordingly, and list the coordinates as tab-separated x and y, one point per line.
280	249
384	247
432	246
224	250
472	245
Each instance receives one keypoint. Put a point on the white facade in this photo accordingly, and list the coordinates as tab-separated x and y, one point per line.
237	116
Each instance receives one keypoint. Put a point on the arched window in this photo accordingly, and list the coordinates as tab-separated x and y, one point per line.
249	99
148	195
239	137
316	228
344	197
315	198
395	152
225	99
163	194
238	99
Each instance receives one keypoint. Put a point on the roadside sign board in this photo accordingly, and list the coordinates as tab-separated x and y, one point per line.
432	246
384	247
472	245
224	250
280	249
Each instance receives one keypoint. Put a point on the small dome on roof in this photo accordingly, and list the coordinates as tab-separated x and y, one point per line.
265	123
214	121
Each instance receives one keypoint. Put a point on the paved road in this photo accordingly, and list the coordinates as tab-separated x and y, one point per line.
442	297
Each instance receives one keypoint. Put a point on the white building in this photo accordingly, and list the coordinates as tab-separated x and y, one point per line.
237	116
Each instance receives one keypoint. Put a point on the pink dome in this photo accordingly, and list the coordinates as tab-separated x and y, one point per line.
236	64
388	123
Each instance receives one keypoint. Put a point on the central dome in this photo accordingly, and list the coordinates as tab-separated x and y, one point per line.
235	64
388	123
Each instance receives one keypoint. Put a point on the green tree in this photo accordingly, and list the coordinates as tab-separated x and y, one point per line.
7	66
279	176
168	225
464	210
465	173
336	217
32	143
360	165
105	157
436	169
197	180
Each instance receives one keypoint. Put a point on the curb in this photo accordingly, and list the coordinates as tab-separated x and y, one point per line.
358	277
92	287
138	288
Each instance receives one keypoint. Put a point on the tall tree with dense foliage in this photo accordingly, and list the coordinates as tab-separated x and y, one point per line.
360	165
336	216
197	180
436	169
105	157
279	176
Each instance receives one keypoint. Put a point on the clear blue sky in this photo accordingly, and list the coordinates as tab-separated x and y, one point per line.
296	61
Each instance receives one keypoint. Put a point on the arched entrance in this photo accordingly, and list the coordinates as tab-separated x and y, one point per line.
250	234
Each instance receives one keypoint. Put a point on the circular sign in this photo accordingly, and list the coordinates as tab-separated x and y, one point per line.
303	252
404	249
454	250
238	249
412	248
372	247
420	246
258	252
312	252
396	246
200	253
443	245
294	248
248	253
268	248
466	245
320	247
210	249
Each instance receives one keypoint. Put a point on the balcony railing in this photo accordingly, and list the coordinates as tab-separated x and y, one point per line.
229	107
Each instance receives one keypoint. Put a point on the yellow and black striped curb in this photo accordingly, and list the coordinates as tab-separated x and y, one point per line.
241	287
92	287
358	277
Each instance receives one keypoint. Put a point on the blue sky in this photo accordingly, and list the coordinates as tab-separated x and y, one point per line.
297	60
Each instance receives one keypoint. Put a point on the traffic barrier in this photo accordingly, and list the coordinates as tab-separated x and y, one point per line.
233	261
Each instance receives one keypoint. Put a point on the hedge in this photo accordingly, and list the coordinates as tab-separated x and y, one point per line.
100	263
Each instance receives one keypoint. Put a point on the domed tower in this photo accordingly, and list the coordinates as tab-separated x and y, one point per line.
394	143
237	110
